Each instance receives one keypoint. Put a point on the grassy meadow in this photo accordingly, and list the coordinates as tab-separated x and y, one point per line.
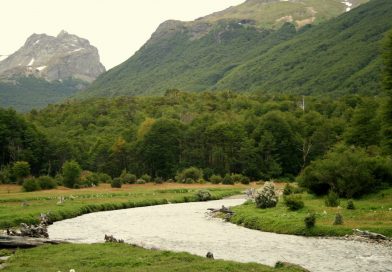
121	257
372	212
17	206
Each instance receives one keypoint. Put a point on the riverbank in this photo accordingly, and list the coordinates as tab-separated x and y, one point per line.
121	258
372	213
20	207
186	227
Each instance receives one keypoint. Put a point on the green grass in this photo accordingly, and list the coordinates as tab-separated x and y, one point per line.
103	198
372	213
119	257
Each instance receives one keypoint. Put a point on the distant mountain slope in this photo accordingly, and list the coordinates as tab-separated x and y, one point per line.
54	58
340	56
197	55
26	93
46	70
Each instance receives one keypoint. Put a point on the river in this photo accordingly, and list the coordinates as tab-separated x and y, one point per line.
187	227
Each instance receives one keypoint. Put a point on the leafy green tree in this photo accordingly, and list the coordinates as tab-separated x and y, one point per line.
160	148
225	141
71	173
364	130
348	171
278	145
21	170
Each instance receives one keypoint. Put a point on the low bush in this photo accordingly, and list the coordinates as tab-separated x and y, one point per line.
31	185
146	178
207	173
105	178
228	180
203	195
266	197
245	180
189	175
129	178
158	180
310	220
332	199
294	202
216	179
350	205
288	189
46	183
239	178
116	183
338	219
351	172
140	181
5	175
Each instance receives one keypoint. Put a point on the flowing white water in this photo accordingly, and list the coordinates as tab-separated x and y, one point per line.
186	227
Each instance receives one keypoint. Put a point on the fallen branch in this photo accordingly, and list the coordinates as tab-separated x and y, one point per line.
370	235
222	210
7	241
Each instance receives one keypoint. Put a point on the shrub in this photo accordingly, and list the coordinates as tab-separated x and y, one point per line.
140	181
310	220
350	205
88	179
236	178
294	202
245	180
128	178
203	195
189	181
207	173
351	172
31	185
116	183
20	170
47	183
216	179
201	181
288	189
191	173
5	175
228	180
158	180
332	199
59	179
105	178
338	219
266	197
71	173
146	178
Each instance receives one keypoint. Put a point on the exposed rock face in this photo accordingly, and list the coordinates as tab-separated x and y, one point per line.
54	58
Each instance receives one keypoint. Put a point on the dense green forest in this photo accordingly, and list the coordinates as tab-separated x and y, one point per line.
261	137
338	56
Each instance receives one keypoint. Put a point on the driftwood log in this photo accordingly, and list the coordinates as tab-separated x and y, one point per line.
222	210
7	241
370	235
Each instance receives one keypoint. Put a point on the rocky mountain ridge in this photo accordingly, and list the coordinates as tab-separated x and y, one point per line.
54	58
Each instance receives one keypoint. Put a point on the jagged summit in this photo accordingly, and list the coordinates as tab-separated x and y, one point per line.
54	58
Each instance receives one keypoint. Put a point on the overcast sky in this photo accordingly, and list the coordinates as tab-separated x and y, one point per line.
117	28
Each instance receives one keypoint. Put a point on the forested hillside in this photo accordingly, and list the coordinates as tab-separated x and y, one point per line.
259	136
339	56
26	93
